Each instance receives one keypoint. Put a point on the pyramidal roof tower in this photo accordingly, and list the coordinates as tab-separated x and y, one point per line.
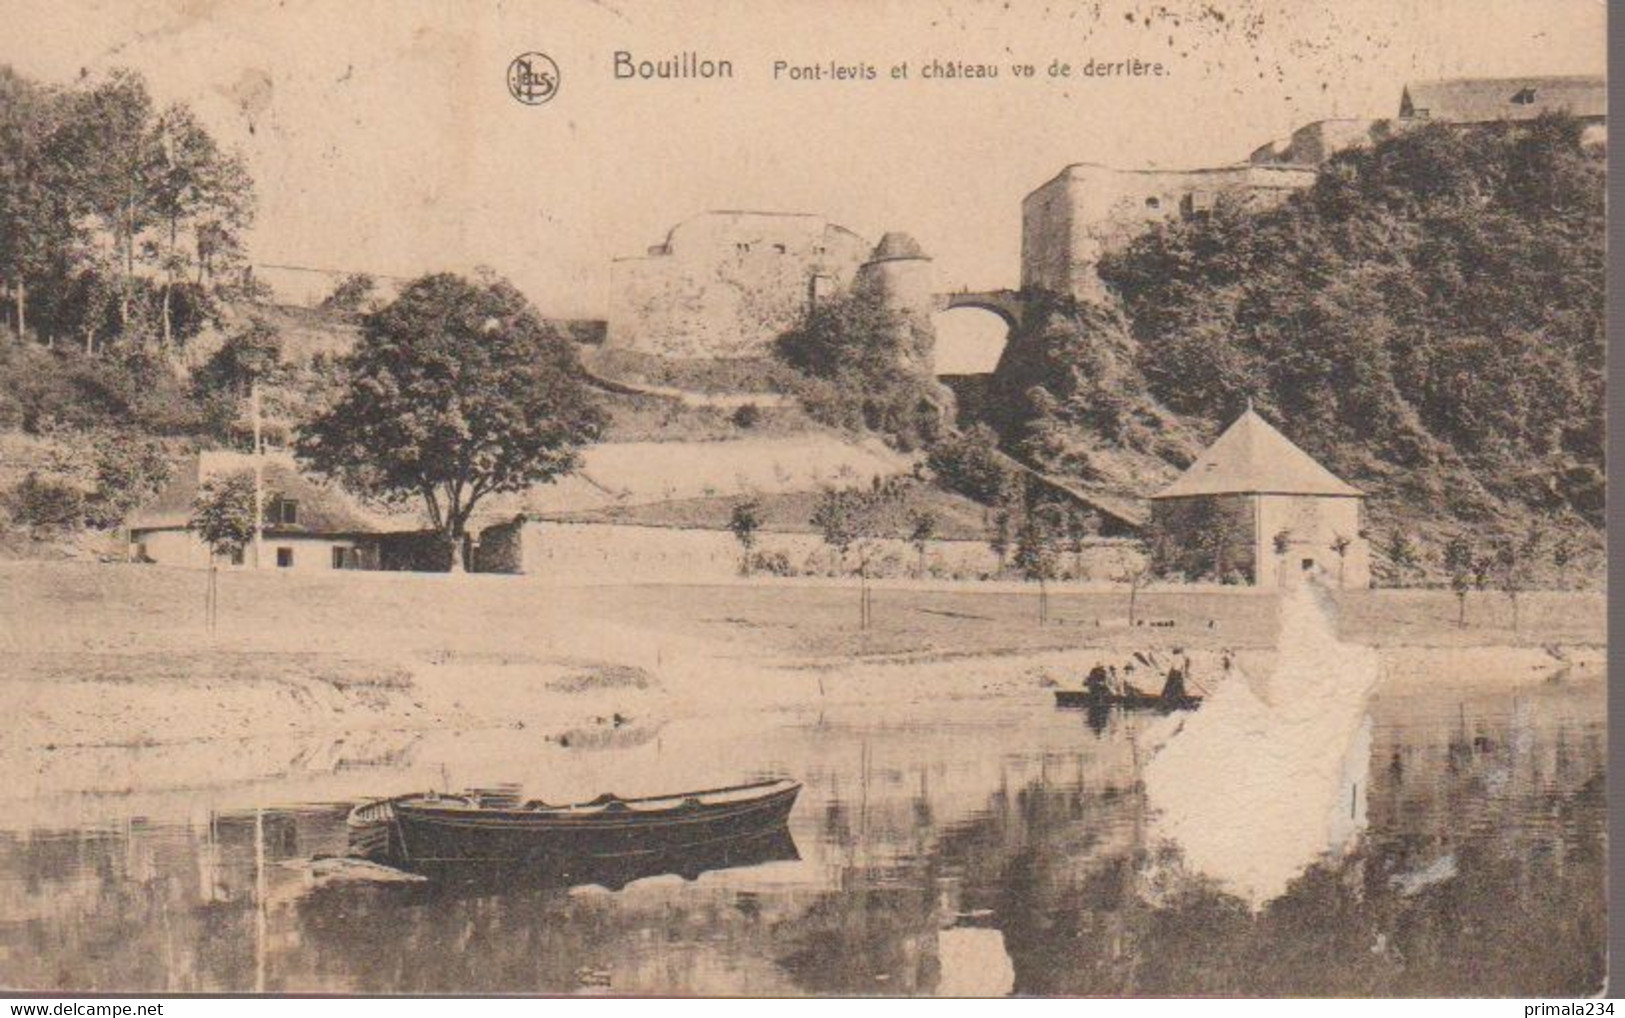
1252	458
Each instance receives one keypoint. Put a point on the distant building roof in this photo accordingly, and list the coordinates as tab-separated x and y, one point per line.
1483	100
1252	458
322	509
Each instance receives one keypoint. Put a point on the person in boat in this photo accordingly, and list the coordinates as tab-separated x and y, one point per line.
1173	690
1096	684
1114	682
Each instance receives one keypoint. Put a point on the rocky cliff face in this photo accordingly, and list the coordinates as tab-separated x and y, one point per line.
1068	397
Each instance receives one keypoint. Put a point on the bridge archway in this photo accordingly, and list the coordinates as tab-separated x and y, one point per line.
973	327
970	339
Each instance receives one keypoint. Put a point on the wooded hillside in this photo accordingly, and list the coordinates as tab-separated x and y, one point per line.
1427	320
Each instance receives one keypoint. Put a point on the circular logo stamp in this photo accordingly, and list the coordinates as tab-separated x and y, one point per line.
533	78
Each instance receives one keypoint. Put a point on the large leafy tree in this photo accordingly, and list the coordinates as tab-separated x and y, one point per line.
457	390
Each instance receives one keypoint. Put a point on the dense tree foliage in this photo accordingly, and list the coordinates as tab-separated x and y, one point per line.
87	478
44	391
969	462
457	390
1428	318
1070	397
859	361
352	293
120	221
120	238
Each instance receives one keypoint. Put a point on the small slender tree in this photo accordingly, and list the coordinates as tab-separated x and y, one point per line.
1002	533
922	528
1458	563
223	513
1037	552
1137	578
744	521
1562	558
835	514
1515	563
1401	556
1081	525
845	517
1509	574
1341	545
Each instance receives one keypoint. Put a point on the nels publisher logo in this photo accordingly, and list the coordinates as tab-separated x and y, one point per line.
533	78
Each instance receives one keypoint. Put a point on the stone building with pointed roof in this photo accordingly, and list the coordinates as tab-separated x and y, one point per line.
1254	504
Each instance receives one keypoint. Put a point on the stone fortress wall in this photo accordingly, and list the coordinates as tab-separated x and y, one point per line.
1085	211
724	284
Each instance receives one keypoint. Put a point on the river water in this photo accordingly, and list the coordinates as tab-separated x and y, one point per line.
981	845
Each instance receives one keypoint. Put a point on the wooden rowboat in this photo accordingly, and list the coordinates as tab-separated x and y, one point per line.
441	833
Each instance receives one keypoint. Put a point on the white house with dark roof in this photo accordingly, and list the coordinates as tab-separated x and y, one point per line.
307	526
1254	504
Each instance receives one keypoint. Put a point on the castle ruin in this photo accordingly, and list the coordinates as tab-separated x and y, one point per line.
724	284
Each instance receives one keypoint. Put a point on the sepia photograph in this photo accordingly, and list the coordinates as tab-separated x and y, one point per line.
919	498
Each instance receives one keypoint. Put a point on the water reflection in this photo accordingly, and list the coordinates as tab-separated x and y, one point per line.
977	846
1284	753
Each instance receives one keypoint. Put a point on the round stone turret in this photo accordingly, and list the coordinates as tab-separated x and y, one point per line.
897	245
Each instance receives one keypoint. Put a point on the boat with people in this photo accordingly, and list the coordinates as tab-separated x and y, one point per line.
1130	699
1103	689
440	833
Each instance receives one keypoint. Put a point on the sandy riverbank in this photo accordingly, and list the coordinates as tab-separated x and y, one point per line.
118	656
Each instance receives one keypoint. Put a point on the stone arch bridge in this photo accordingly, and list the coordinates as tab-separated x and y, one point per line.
1009	305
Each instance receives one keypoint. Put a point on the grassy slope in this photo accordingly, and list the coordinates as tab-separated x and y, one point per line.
958	518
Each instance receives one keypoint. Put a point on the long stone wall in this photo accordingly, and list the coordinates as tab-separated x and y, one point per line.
612	552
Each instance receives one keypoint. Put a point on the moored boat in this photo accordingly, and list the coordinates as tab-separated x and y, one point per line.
438	832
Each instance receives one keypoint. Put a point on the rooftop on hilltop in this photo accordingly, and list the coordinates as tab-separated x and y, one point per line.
1484	100
1252	458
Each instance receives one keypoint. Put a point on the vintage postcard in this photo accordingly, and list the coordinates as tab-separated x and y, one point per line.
924	498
